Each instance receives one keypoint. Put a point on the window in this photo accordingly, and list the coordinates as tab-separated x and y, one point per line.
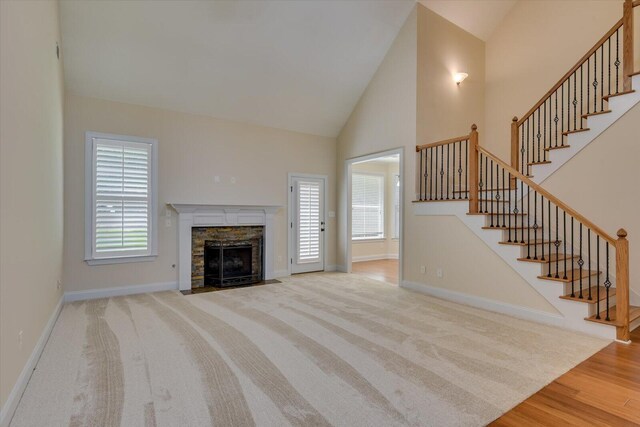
367	205
121	197
396	206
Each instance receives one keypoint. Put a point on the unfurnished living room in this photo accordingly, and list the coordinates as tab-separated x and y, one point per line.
319	213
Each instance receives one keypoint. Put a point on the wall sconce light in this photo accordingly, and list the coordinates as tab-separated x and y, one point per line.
459	77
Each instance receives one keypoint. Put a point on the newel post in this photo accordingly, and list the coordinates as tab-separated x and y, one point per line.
514	149
627	44
473	169
622	286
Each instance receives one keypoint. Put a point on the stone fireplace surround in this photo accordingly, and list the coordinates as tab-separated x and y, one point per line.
205	215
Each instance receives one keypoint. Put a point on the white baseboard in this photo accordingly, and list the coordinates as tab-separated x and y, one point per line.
119	291
7	411
373	257
486	304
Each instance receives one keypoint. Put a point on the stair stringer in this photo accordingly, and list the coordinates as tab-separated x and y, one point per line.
618	105
572	314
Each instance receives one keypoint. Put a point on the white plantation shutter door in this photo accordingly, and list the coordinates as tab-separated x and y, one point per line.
367	206
309	221
122	198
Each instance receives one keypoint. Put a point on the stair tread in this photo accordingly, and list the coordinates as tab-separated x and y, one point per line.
554	257
634	314
559	147
569	132
594	295
575	274
545	162
635	73
584	116
624	92
527	243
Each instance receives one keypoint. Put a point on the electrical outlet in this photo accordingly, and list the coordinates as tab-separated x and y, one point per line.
167	222
167	213
59	284
439	273
233	179
423	269
20	340
279	258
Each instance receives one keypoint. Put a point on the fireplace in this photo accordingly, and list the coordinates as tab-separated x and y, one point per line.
227	256
198	223
232	263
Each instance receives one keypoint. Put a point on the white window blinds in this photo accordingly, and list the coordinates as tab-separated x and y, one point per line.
367	205
121	198
309	221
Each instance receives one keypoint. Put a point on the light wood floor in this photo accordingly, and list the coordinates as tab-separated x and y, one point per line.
385	270
603	390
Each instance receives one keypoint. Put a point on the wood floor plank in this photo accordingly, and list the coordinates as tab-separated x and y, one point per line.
604	390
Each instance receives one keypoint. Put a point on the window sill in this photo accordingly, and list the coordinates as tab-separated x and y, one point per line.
371	240
120	260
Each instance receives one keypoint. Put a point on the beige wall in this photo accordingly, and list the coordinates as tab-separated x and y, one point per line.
386	248
601	182
530	50
192	150
31	210
421	61
384	118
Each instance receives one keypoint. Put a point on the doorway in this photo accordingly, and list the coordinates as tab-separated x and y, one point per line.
306	223
374	216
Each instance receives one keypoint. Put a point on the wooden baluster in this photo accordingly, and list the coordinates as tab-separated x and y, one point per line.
622	286
473	170
627	44
515	154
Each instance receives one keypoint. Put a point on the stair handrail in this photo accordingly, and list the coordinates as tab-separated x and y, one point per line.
572	70
549	196
443	142
542	130
621	244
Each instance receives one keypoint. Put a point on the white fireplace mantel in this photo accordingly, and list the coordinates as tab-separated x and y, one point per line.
205	215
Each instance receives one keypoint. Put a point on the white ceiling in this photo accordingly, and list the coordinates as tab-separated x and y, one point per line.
479	17
297	65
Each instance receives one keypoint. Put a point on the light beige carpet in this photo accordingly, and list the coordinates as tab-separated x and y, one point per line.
316	350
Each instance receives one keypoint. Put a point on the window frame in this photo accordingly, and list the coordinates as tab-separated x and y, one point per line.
89	253
396	205
383	235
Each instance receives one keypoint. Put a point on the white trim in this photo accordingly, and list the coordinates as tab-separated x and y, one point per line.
121	260
290	235
119	291
88	199
486	304
346	266
373	257
9	408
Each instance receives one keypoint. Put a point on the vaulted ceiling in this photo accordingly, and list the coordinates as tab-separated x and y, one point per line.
296	65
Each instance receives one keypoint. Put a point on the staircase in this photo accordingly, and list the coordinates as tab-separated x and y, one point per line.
581	269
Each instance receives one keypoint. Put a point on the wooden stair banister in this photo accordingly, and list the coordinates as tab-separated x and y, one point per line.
621	246
573	69
550	196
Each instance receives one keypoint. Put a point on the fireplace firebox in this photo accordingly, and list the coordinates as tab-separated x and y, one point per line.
232	263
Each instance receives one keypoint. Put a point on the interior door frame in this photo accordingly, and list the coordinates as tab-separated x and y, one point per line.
290	215
347	238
